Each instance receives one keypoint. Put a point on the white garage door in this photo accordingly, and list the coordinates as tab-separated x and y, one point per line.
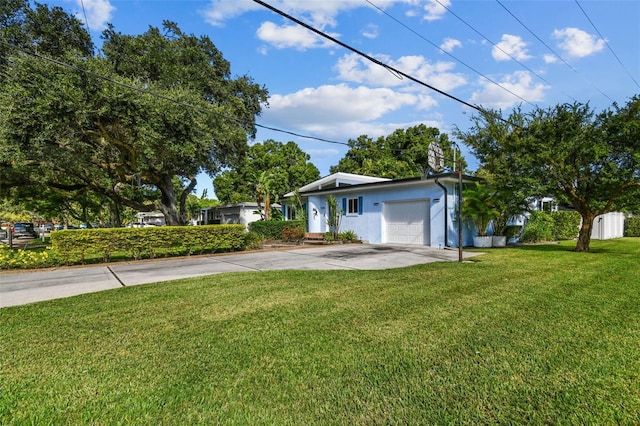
406	222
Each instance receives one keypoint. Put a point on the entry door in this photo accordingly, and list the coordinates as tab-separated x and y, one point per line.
406	222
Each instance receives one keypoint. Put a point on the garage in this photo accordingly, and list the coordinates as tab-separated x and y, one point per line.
406	222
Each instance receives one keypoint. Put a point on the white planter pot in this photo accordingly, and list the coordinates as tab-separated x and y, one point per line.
499	241
482	242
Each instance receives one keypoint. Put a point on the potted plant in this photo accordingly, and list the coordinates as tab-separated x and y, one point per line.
508	205
478	207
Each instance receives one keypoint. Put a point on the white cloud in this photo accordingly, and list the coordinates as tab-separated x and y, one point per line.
520	83
220	11
510	46
98	13
320	14
435	10
354	68
578	43
330	153
371	31
550	59
449	44
287	36
334	110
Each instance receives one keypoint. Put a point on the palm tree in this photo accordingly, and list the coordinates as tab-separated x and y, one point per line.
479	206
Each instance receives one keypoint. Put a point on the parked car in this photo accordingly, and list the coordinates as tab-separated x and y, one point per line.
45	227
61	227
88	226
23	229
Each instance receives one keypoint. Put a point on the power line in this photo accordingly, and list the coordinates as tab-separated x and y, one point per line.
553	51
500	49
242	123
447	53
86	21
607	43
370	58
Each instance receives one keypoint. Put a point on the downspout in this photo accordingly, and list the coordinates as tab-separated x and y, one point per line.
446	213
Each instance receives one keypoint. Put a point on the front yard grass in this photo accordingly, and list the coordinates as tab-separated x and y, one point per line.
530	335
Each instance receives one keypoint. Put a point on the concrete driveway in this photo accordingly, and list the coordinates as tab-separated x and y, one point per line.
19	288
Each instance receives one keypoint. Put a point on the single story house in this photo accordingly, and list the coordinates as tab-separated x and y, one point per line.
420	211
237	213
149	218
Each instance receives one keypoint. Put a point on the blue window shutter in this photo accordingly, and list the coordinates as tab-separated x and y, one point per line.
360	206
344	206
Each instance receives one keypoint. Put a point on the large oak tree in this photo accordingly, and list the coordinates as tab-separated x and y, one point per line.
402	154
589	160
136	123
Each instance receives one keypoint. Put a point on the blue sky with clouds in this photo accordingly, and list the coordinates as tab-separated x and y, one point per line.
496	54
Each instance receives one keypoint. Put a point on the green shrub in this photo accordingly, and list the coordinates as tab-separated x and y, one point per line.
566	224
348	236
252	240
27	259
137	243
272	229
539	228
632	226
292	234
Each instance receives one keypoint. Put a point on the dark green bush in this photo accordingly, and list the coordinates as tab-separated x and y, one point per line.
539	228
632	226
272	229
513	231
293	234
566	224
75	246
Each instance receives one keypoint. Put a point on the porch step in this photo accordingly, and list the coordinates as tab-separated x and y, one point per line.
314	238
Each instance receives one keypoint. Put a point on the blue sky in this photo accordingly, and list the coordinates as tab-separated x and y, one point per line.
556	51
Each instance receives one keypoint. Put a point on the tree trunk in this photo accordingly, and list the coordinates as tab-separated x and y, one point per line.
168	205
183	199
584	236
114	214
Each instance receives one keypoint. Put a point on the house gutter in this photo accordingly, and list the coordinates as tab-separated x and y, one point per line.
446	212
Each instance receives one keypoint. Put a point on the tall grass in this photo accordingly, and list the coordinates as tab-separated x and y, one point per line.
536	335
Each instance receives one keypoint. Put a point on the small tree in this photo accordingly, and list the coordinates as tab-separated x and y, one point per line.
334	217
588	160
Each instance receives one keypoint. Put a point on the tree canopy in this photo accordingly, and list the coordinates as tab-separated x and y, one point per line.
280	167
590	161
135	124
402	154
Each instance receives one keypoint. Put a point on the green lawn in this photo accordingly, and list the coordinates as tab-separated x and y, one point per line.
532	335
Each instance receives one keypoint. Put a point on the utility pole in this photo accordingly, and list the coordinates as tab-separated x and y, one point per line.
460	257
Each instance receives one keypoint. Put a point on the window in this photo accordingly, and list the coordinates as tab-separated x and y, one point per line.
352	206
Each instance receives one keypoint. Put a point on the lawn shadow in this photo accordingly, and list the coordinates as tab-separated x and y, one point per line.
596	247
548	247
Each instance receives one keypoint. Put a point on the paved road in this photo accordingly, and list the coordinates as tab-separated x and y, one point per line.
19	288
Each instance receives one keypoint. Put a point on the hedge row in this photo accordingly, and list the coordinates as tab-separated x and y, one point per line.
566	224
632	226
137	243
273	229
544	226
